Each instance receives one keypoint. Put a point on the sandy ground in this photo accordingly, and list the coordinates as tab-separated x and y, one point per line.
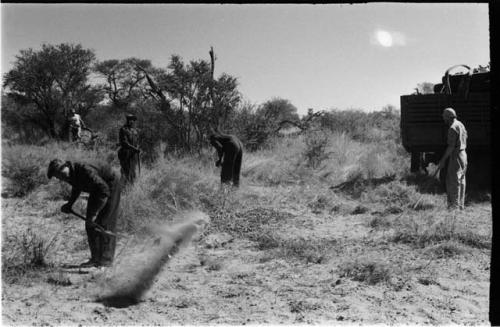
219	279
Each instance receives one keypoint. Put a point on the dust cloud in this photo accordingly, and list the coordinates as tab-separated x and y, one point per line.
135	274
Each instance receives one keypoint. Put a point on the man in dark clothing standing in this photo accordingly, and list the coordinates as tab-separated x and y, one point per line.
129	152
104	188
229	147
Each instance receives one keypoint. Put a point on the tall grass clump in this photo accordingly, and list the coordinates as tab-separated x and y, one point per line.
24	252
310	158
316	144
281	163
167	187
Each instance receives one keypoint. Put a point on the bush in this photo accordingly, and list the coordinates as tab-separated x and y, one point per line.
25	252
316	143
23	169
166	188
368	127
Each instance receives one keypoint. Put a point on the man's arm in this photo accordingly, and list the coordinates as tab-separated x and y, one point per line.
82	124
452	139
75	193
218	146
124	143
99	194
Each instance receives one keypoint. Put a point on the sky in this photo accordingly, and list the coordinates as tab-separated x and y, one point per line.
342	56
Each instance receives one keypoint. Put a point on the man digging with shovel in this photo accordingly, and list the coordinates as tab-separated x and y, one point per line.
104	188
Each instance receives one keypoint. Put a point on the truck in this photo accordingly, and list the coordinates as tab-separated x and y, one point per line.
424	132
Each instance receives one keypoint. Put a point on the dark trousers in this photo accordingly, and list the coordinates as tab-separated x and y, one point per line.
128	162
102	247
231	167
74	134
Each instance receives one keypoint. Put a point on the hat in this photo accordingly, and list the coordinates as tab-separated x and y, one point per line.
449	112
131	117
54	165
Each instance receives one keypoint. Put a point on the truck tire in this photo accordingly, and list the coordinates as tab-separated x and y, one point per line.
478	170
416	162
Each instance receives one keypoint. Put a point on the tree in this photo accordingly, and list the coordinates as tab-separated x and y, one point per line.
190	100
53	79
425	88
277	110
125	81
482	69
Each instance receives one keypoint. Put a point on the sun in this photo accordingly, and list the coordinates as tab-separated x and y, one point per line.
384	38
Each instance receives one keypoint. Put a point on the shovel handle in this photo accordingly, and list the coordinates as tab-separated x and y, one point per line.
96	226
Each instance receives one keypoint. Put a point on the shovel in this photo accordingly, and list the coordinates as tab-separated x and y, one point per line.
98	227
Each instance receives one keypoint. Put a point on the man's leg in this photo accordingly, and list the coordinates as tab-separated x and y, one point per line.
237	169
132	168
125	165
107	218
452	182
226	174
462	184
92	234
93	240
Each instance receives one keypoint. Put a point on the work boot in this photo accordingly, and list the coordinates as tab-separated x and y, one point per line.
90	263
93	239
107	249
104	263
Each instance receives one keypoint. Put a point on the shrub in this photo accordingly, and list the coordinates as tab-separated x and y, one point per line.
23	253
166	188
316	144
25	178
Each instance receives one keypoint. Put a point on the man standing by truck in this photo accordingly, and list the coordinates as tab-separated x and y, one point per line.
457	165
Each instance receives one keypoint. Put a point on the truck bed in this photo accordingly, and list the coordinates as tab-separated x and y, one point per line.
422	126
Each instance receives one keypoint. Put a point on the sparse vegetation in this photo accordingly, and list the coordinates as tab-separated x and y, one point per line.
367	270
24	254
319	199
316	143
436	227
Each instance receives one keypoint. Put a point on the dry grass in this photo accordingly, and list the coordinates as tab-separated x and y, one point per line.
436	227
306	249
368	270
25	254
447	249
